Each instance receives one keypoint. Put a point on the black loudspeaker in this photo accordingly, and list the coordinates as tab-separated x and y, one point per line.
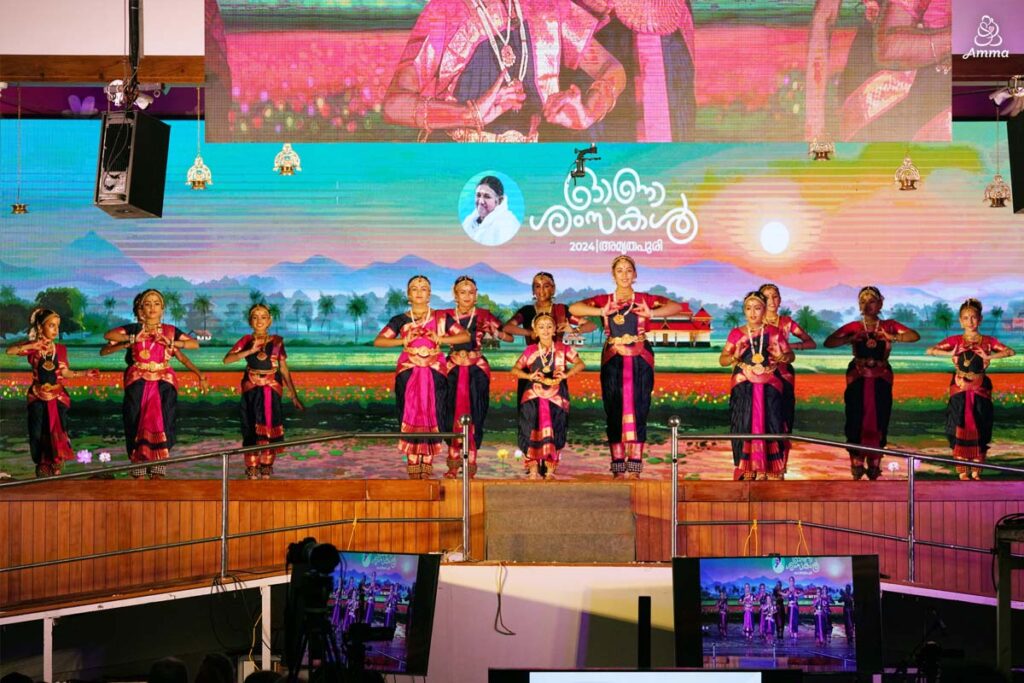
132	165
1015	141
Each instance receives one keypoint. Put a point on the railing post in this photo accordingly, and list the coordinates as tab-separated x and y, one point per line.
911	462
673	423
48	623
223	516
466	421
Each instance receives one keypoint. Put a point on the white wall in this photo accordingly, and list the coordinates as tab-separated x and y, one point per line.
98	27
563	617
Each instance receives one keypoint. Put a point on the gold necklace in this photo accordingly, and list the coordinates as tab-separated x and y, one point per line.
546	358
871	342
506	55
423	321
261	342
49	356
459	315
620	317
756	356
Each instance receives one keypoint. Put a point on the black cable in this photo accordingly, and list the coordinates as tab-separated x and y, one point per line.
499	623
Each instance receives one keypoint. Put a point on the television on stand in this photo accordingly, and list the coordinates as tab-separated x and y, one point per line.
382	610
815	613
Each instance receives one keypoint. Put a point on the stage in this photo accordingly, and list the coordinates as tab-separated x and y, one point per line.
64	520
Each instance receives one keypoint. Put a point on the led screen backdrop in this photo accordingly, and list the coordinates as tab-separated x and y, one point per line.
646	70
331	249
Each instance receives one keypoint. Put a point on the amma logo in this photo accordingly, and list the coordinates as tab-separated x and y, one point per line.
987	39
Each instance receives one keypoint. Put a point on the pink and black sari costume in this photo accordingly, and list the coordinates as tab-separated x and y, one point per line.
654	42
543	408
868	393
421	386
48	404
747	602
793	610
969	413
524	318
897	104
756	403
150	395
723	617
822	619
787	327
451	55
627	381
469	384
262	389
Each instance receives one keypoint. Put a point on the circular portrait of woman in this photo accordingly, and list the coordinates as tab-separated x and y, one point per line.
491	208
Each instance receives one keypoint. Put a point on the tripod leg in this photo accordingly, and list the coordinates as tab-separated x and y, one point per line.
295	666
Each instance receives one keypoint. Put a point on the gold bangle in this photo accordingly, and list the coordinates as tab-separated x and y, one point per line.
421	118
475	111
609	89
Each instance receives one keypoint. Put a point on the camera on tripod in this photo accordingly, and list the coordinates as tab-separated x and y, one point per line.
312	627
582	157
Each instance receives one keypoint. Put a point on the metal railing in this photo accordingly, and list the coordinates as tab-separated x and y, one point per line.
912	458
675	438
225	456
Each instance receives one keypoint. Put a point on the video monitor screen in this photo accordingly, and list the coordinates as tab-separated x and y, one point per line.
578	70
636	676
375	592
816	613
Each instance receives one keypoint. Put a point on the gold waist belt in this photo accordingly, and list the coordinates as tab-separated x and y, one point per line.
969	376
627	339
471	135
152	367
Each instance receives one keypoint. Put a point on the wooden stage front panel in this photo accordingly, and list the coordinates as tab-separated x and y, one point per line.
62	520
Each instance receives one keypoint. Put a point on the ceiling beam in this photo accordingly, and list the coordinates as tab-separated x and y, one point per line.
174	70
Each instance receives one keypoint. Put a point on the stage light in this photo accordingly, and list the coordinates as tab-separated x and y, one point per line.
580	169
121	94
907	176
287	161
199	175
821	151
1014	91
115	92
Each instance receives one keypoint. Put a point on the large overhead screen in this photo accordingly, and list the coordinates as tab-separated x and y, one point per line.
574	70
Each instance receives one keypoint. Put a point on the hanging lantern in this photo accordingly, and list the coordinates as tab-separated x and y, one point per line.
907	175
19	207
997	192
821	151
199	175
287	161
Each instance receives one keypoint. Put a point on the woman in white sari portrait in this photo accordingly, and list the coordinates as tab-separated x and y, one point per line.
491	223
